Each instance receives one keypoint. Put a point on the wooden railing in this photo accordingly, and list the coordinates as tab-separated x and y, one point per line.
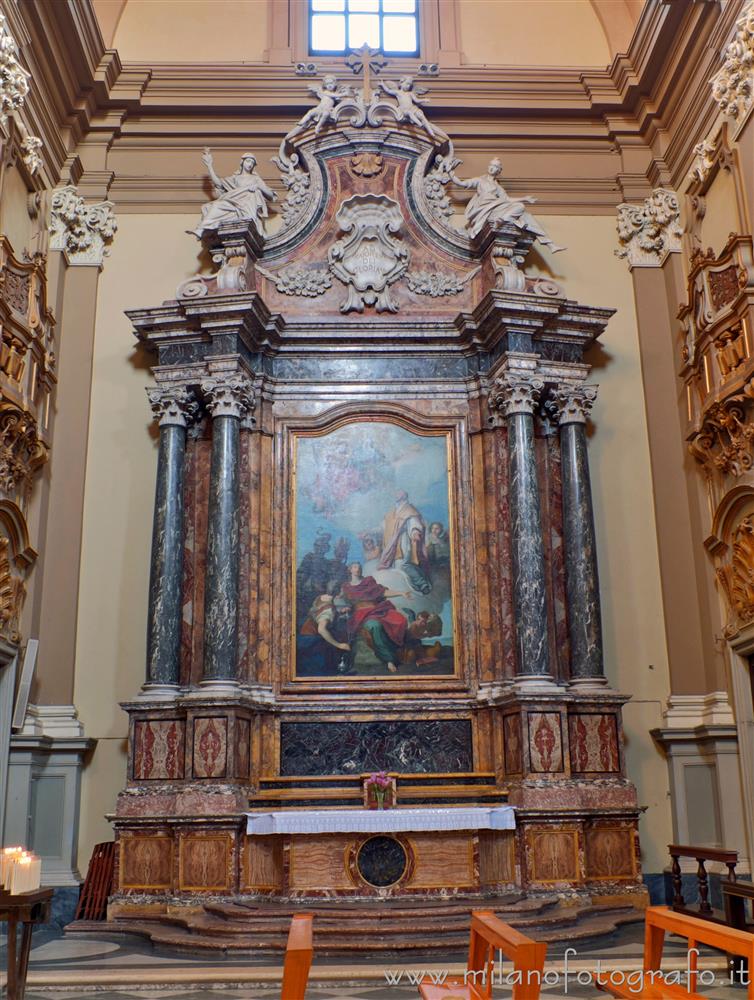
700	855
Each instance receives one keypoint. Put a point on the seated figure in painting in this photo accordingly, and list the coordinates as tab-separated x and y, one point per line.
403	545
320	650
374	617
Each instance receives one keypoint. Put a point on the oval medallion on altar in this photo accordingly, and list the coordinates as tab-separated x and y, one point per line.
373	555
382	861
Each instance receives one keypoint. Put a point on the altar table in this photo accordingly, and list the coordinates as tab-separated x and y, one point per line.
380	820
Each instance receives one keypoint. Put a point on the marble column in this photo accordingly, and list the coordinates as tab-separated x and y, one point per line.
515	396
229	400
572	404
176	408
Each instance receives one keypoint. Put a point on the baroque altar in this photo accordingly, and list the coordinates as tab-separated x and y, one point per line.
373	539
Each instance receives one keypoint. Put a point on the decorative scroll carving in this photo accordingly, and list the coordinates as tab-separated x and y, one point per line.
175	405
515	392
649	232
21	451
737	578
705	153
435	186
733	84
436	285
14	79
241	197
305	281
572	404
30	147
732	350
297	183
82	231
368	260
724	442
229	395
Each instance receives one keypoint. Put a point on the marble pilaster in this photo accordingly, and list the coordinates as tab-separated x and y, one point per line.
229	399
515	396
176	408
572	404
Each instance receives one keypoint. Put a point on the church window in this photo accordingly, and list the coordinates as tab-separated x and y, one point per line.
337	26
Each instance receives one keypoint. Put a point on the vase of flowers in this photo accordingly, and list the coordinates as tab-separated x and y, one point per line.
379	788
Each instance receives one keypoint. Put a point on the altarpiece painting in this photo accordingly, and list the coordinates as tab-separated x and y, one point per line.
373	575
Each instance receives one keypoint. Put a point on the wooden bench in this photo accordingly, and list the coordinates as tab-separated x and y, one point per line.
659	920
298	958
489	936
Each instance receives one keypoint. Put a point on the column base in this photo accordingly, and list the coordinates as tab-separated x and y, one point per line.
221	688
588	683
536	683
154	691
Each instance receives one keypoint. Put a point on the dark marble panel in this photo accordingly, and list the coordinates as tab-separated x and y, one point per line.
410	747
382	861
336	368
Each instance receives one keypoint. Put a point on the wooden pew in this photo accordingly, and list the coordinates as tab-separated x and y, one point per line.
488	936
659	920
298	958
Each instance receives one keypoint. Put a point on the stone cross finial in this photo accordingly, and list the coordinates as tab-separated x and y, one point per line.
516	392
365	60
230	395
173	405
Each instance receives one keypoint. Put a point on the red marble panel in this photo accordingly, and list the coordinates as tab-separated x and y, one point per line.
158	749
146	862
243	748
594	743
210	747
514	762
610	853
545	742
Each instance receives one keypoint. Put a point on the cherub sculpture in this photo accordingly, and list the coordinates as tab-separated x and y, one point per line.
243	195
491	203
329	95
409	101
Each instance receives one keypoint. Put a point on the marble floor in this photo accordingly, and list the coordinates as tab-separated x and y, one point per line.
63	968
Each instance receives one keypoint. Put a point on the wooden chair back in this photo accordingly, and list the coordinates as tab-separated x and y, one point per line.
298	957
661	920
489	935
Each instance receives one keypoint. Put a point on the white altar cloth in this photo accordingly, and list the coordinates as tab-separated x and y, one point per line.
380	820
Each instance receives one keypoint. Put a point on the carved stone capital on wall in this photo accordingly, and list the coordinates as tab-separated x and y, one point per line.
173	405
733	84
82	231
14	79
514	393
649	232
571	404
229	395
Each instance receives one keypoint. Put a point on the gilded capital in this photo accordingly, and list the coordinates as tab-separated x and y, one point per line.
647	233
515	393
174	406
572	403
229	395
82	231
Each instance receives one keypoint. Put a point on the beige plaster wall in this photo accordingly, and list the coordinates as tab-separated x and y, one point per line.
721	212
177	31
636	659
502	32
150	256
120	484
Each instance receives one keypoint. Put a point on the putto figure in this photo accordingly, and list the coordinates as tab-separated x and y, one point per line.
243	195
409	101
491	203
329	94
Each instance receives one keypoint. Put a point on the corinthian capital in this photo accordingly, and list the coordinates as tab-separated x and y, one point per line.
229	395
515	392
571	404
173	405
733	84
14	79
82	231
649	232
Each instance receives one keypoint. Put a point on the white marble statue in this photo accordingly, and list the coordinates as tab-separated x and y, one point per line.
491	203
409	101
243	195
329	94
